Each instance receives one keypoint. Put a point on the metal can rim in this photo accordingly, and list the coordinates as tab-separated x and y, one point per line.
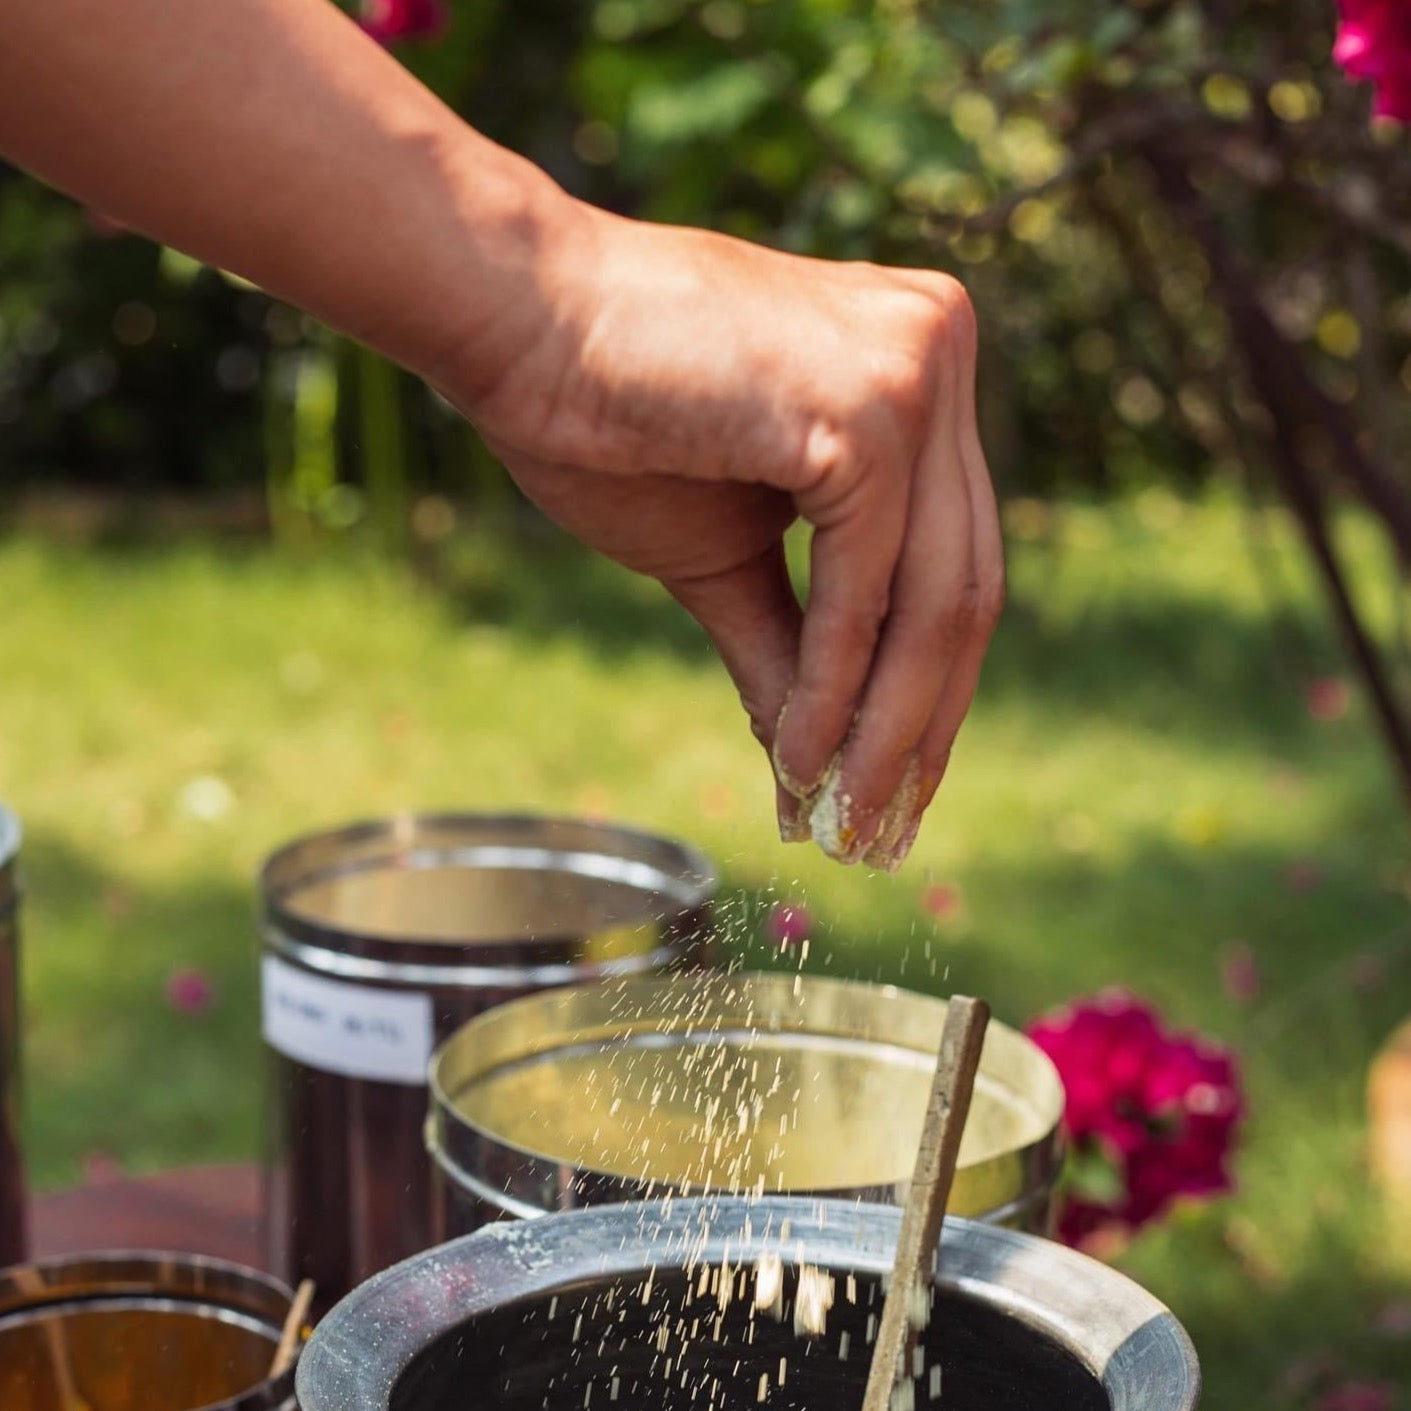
160	1281
1131	1342
689	884
11	837
455	1141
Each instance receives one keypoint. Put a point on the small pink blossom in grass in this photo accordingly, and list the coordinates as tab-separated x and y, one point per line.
390	21
1358	1396
1303	876
790	924
1300	1376
1368	971
101	1168
1239	973
942	900
1394	1320
190	991
1328	698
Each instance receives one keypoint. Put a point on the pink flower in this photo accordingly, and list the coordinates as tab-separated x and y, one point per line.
789	925
942	900
389	21
101	1168
1328	698
1358	1396
190	991
1239	971
1374	46
1303	876
1162	1108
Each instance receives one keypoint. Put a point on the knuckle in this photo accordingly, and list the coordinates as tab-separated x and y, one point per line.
827	450
854	629
993	596
953	317
964	612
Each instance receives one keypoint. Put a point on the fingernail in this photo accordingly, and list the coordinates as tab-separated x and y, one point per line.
796	786
793	827
901	821
830	820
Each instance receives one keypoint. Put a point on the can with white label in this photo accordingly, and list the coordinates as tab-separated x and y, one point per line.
382	939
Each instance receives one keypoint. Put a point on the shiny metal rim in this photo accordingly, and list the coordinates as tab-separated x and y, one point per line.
142	1273
470	977
138	1303
1131	1342
568	1020
11	835
158	1281
690	885
461	1179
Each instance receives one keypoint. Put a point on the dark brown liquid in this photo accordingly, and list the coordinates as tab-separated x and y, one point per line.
135	1360
604	1348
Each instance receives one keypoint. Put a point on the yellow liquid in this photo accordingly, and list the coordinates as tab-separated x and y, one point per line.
741	1113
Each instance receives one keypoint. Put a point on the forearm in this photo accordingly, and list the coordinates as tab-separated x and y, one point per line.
272	138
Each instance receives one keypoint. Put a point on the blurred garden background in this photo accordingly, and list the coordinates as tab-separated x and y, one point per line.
256	581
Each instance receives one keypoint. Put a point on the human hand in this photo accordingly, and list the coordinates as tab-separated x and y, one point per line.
681	398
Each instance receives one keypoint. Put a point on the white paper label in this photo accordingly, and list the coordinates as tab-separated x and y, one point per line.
360	1032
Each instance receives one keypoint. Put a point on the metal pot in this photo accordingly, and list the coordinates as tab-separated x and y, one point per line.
731	1085
382	939
624	1304
12	1190
141	1332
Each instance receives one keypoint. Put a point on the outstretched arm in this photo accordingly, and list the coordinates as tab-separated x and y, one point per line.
273	139
675	398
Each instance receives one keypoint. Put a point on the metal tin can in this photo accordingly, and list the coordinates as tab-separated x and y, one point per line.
167	1332
13	1242
383	938
737	1084
660	1305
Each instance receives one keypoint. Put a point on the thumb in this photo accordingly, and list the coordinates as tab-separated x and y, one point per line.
753	616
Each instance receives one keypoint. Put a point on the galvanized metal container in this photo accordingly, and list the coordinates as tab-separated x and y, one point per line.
657	1305
382	939
727	1084
141	1332
13	1242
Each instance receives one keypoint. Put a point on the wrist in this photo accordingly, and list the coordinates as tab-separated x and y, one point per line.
498	277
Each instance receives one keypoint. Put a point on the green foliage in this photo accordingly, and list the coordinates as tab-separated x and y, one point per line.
1007	142
1139	776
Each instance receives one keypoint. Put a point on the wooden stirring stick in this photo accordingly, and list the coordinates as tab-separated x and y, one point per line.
293	1330
908	1303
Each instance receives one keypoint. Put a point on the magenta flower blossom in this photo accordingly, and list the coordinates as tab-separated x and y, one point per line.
942	900
1358	1396
1328	698
390	21
190	991
790	925
1239	970
1374	46
1161	1109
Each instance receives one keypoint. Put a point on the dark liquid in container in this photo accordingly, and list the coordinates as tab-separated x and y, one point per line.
132	1359
663	1345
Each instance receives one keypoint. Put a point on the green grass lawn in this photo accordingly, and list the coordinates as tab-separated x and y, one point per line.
1139	775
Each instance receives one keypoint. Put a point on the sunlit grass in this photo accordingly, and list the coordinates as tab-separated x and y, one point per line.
1139	777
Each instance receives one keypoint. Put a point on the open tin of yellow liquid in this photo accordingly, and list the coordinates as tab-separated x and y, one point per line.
748	1084
141	1332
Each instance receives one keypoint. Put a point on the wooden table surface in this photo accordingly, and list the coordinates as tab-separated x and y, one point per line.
210	1210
